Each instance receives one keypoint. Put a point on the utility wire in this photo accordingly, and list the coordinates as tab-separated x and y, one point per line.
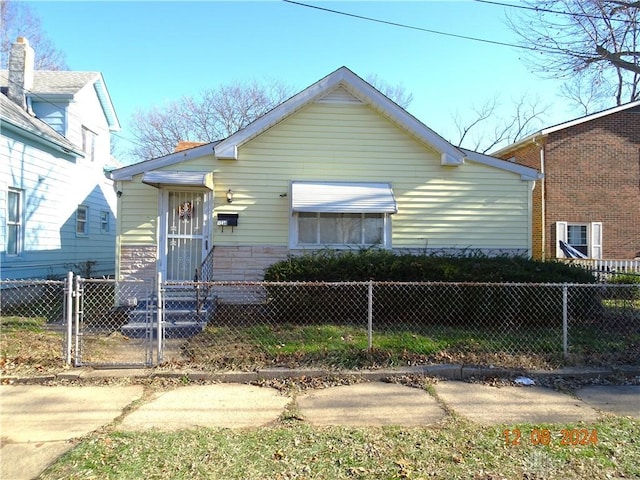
421	29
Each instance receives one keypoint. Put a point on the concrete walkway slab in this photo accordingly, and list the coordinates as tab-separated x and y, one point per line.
223	405
619	399
25	461
509	405
373	403
38	422
31	413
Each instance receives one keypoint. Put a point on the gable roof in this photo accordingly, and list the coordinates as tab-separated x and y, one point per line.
363	91
335	83
15	118
61	82
341	78
561	126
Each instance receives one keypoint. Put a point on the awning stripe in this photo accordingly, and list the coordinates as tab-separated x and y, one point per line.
178	178
342	197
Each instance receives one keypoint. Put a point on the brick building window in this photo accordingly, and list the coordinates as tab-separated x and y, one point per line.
586	238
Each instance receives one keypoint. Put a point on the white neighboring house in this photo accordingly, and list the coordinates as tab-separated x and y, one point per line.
57	204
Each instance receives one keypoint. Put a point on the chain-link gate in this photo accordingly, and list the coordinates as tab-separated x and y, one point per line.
115	324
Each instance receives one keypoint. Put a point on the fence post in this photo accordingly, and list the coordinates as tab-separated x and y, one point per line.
77	292
565	321
160	318
68	312
370	315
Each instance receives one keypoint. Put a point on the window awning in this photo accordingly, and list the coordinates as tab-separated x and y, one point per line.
178	178
342	197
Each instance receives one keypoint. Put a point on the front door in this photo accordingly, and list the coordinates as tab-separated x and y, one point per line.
186	233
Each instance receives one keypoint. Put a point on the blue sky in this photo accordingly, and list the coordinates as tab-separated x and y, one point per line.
154	52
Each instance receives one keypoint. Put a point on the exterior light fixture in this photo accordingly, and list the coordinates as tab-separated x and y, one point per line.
229	196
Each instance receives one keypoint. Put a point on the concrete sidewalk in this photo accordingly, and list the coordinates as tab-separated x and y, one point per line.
39	423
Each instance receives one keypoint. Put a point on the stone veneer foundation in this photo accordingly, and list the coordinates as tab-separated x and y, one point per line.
232	264
245	264
138	262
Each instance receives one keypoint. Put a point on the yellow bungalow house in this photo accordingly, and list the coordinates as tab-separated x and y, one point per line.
339	165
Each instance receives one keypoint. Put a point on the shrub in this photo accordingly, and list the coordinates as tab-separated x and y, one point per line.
473	305
384	265
629	287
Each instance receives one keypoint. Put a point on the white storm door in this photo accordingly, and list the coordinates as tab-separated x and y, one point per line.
186	233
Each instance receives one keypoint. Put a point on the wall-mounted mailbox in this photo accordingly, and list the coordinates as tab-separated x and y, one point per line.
227	220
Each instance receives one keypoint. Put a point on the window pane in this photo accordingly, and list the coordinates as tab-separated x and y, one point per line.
81	220
12	239
373	229
577	237
104	221
307	228
14	206
577	234
329	228
351	228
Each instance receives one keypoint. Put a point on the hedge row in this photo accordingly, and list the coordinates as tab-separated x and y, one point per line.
384	265
478	305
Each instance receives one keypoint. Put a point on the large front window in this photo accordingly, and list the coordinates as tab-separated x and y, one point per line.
341	214
340	229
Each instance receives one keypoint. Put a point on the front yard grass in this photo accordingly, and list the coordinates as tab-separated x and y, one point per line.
291	449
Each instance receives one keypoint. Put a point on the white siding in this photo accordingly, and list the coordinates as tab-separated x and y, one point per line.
54	184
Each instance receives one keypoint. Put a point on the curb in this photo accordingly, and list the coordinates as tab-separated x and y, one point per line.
446	372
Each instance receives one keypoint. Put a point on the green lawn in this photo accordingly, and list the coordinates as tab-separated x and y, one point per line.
453	449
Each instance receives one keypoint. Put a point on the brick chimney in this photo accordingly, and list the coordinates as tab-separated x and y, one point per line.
21	66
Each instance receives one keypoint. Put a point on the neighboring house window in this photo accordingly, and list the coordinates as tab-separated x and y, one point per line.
82	221
14	221
341	214
88	143
104	221
586	238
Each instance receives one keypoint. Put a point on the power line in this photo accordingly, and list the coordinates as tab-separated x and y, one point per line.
412	27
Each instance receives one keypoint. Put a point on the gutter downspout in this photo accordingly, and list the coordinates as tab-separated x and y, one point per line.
543	201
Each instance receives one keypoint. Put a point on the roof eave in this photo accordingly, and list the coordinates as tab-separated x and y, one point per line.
68	149
106	104
526	173
128	172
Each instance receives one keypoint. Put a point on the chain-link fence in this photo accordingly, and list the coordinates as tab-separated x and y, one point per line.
220	326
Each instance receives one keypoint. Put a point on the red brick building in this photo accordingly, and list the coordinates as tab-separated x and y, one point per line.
590	194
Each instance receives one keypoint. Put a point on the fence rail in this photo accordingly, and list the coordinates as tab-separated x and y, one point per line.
611	267
247	325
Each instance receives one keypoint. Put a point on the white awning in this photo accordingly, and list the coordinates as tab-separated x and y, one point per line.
342	197
178	178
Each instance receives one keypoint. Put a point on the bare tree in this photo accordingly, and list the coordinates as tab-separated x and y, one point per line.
482	129
588	42
17	20
397	93
213	115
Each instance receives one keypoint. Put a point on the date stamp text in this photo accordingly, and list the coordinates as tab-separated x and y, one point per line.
575	437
